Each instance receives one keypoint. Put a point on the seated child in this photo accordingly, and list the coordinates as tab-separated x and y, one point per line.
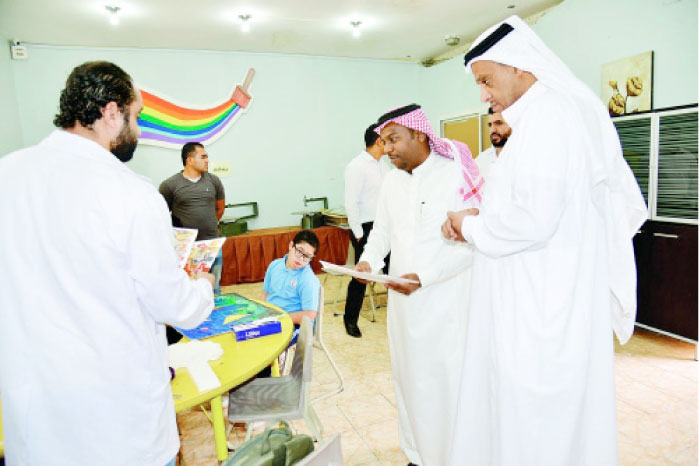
291	284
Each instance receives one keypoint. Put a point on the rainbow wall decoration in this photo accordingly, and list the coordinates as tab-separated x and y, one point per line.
166	124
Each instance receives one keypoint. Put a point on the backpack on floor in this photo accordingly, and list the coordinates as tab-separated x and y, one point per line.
274	447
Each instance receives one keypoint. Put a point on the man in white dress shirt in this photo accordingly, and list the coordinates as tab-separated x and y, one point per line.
499	132
363	179
554	270
89	277
426	320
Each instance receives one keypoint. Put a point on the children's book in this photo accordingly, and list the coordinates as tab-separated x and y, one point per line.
233	310
184	240
203	255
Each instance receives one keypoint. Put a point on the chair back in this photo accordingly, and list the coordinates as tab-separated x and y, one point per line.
318	327
301	365
327	454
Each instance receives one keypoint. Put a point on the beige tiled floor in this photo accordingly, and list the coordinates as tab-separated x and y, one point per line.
656	380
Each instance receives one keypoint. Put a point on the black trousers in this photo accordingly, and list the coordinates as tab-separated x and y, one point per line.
356	290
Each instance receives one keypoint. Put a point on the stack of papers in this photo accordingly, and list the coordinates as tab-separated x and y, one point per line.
339	270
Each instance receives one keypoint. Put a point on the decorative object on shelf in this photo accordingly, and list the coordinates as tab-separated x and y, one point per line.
626	85
167	124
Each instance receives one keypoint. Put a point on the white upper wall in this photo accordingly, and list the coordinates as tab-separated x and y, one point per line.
586	34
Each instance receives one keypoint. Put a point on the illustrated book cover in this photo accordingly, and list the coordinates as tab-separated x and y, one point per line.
233	312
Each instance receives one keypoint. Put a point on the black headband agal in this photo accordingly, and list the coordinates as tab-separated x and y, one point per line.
396	113
493	38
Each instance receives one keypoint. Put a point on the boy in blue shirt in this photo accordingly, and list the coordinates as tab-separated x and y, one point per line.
289	281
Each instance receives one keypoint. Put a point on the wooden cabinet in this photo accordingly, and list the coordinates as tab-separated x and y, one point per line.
661	148
667	272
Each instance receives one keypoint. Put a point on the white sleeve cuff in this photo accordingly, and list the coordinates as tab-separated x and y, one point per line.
375	266
357	231
468	227
427	277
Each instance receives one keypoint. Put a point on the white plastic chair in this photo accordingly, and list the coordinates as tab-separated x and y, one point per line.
327	454
322	346
286	397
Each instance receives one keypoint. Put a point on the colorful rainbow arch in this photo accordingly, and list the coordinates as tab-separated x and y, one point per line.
166	124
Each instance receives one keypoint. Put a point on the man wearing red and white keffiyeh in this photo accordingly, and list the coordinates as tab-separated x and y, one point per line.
411	116
425	317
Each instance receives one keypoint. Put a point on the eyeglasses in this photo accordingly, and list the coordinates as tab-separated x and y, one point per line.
301	255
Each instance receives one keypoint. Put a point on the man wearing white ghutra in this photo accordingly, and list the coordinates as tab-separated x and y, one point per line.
553	269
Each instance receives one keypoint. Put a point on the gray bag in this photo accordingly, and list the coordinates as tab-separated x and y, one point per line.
274	447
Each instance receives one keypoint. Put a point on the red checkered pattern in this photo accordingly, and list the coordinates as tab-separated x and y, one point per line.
473	182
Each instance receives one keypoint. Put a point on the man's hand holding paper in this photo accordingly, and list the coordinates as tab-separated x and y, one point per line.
405	288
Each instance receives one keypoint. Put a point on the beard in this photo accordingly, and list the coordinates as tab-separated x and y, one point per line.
500	141
124	146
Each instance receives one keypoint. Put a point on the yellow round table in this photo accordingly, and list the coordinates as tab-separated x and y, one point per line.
241	361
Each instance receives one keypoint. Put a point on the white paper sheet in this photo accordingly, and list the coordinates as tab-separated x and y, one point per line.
339	270
195	357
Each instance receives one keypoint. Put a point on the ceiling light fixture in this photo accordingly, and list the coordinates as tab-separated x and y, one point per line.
113	14
452	40
245	25
355	28
511	6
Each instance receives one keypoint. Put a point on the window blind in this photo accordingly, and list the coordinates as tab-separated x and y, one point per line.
677	194
635	137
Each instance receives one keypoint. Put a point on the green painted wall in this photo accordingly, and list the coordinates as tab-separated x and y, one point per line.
308	114
586	34
10	129
306	120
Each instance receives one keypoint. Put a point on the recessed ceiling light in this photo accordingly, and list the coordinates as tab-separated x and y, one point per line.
113	14
245	25
452	40
511	6
355	28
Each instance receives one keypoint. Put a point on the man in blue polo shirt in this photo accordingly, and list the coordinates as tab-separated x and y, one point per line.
289	281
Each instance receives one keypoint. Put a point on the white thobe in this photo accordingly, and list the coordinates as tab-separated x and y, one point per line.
89	276
485	161
538	371
427	328
363	180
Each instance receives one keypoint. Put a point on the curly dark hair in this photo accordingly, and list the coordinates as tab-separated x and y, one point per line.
89	88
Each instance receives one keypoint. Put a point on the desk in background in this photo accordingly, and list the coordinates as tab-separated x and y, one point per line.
247	256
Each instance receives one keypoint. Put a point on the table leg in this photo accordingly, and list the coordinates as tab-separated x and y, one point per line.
275	369
217	419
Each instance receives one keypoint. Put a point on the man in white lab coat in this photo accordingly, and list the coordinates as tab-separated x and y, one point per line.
426	320
554	269
89	279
